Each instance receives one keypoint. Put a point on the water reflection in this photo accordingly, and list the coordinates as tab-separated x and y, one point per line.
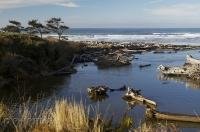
180	79
132	104
34	90
98	98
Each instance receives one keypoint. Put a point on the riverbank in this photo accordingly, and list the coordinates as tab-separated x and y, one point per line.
88	74
25	57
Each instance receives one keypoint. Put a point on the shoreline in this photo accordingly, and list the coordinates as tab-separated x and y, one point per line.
136	45
104	51
60	57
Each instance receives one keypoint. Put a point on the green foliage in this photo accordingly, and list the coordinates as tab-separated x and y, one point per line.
23	56
11	28
16	23
56	25
14	26
36	27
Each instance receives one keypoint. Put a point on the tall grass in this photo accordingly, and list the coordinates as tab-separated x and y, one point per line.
63	116
3	111
68	116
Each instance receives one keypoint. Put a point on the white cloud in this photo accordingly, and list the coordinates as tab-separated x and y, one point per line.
155	1
177	10
6	4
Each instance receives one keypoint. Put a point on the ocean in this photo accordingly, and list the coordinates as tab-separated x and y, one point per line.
188	36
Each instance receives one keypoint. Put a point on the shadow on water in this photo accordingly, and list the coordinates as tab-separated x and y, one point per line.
34	90
98	98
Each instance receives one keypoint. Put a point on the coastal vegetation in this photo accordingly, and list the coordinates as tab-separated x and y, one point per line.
24	57
69	116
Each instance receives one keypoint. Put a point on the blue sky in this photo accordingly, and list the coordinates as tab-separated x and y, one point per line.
105	13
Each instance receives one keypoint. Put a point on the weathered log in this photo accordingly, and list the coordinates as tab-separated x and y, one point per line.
135	95
144	65
172	116
123	88
68	69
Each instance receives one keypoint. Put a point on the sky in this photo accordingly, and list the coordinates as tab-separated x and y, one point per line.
105	13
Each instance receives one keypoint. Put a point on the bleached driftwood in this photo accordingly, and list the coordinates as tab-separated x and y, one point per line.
190	69
172	70
172	116
191	60
135	95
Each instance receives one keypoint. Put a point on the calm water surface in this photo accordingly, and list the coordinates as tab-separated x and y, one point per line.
171	95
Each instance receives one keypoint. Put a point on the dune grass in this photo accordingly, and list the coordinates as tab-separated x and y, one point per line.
69	116
3	111
63	116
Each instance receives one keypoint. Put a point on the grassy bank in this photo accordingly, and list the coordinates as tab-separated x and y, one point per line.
63	116
24	57
70	117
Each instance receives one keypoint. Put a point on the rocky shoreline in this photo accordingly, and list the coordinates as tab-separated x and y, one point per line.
25	57
114	54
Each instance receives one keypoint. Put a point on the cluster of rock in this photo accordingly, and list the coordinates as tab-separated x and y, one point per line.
191	69
145	46
113	54
117	58
98	93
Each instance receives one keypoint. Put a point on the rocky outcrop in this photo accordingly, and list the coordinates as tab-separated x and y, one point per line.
98	90
191	69
114	60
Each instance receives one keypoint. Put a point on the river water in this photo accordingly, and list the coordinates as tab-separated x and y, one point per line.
173	95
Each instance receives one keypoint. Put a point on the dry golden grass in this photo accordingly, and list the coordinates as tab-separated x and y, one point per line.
3	111
157	127
67	116
63	116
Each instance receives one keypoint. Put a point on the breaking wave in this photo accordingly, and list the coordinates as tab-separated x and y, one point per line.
183	38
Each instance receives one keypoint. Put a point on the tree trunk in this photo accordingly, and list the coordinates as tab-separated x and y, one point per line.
40	35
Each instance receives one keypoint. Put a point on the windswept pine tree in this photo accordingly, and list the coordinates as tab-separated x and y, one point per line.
56	25
14	26
36	27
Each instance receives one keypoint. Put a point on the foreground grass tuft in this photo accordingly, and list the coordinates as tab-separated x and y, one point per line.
69	117
3	111
65	116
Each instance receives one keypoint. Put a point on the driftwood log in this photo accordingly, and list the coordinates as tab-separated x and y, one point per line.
172	116
132	95
144	65
68	69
